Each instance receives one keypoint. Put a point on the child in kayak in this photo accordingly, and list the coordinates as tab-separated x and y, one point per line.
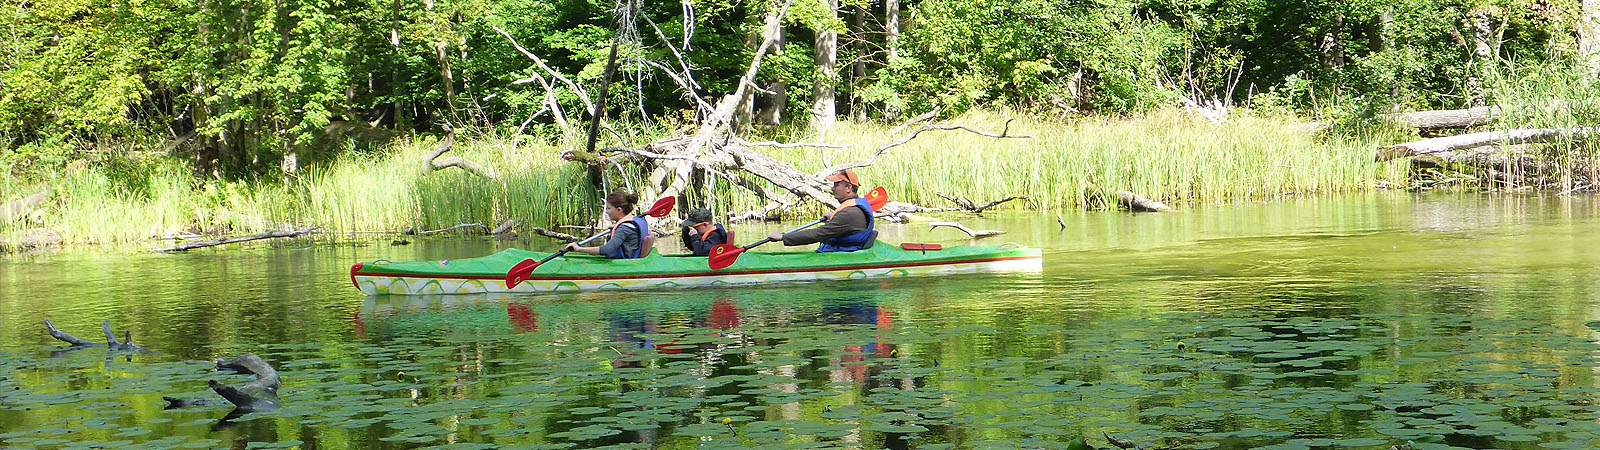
700	235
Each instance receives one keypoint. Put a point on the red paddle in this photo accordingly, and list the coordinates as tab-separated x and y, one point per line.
724	255
524	269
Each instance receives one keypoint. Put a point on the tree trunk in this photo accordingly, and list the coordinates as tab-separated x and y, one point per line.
822	91
772	113
891	27
858	66
1483	57
1379	40
446	75
747	104
1333	46
1589	35
1475	140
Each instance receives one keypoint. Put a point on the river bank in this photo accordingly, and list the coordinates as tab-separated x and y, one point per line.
1169	156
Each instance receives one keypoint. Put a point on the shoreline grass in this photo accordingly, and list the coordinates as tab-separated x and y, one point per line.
1167	155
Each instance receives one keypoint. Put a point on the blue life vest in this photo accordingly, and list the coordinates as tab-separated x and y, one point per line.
853	241
644	232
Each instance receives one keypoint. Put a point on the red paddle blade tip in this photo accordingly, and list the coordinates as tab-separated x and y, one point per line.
520	273
877	198
662	207
724	255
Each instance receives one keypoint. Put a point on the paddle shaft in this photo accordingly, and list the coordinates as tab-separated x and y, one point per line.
565	250
769	239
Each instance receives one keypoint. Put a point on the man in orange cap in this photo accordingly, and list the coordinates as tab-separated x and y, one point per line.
848	229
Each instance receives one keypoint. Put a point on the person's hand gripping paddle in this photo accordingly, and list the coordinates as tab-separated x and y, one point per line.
524	269
725	255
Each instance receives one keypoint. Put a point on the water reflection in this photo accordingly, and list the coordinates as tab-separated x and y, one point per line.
1351	322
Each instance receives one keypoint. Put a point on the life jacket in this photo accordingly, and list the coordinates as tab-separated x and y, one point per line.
853	241
644	232
717	228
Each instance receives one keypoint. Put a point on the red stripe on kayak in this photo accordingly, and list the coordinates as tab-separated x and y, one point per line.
704	274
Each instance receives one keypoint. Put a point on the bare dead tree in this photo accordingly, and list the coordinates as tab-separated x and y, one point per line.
432	161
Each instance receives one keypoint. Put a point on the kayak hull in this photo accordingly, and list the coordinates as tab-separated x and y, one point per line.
586	273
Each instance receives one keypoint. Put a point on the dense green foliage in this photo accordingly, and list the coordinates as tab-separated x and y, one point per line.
252	81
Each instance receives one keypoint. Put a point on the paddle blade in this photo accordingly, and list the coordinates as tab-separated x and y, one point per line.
520	272
724	255
662	207
877	198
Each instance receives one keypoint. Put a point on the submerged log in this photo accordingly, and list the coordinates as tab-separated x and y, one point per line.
1475	140
255	396
234	240
1135	202
457	227
125	345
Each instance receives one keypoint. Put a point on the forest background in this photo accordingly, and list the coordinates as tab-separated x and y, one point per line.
140	119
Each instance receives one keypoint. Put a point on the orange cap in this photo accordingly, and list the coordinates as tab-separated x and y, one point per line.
846	175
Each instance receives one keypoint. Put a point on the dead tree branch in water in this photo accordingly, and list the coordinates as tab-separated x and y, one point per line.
975	234
1137	203
967	205
235	240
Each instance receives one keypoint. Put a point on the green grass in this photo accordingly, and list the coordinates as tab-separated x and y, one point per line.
1168	155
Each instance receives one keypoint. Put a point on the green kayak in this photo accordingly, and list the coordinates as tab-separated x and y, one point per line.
488	274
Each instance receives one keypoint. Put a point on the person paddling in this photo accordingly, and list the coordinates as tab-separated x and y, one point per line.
628	237
848	228
700	235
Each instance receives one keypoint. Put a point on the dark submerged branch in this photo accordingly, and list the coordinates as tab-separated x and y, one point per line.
235	240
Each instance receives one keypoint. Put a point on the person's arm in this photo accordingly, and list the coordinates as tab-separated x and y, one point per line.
844	222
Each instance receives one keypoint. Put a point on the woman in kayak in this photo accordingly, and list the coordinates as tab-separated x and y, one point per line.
628	238
700	235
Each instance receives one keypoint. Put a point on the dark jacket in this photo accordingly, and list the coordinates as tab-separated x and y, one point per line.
624	237
700	244
843	222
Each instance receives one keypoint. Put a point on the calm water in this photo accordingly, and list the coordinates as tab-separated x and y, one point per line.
1350	322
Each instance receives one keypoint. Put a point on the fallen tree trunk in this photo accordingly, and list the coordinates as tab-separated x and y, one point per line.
235	240
1136	203
457	227
1435	119
20	208
1475	140
1447	118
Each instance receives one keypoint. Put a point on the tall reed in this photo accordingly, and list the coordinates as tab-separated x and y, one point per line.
1168	155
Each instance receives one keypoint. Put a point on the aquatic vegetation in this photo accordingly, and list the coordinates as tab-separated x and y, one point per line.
823	372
